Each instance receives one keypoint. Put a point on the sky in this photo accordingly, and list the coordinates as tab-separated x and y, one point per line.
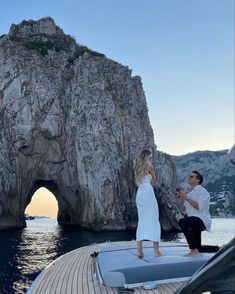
37	205
182	49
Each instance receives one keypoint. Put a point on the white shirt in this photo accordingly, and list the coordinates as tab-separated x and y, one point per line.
202	197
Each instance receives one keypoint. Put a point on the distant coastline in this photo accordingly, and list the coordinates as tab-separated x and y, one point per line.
31	217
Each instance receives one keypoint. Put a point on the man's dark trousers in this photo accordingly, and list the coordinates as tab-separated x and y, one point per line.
192	228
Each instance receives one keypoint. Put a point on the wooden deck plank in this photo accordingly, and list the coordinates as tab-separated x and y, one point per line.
57	277
156	291
52	277
63	281
73	277
72	281
89	274
76	272
85	273
171	286
43	285
164	289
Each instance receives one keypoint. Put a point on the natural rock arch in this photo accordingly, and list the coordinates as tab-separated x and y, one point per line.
74	120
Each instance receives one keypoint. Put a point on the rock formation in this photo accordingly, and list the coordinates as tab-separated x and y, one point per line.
72	120
219	177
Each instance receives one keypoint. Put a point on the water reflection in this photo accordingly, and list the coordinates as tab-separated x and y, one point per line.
37	247
25	253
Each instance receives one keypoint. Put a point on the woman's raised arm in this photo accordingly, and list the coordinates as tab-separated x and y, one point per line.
152	173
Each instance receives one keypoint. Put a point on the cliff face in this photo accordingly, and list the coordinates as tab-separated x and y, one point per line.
219	177
72	120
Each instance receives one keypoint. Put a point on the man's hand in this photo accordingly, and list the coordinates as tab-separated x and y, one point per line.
180	196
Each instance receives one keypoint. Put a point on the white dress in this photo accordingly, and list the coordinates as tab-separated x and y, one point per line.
148	213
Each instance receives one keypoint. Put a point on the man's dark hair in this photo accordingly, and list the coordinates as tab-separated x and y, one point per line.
199	176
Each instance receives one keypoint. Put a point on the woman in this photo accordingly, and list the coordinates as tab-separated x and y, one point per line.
148	215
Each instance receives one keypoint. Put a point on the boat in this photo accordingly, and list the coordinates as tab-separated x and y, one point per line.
113	267
29	217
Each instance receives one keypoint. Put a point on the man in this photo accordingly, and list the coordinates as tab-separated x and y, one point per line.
196	205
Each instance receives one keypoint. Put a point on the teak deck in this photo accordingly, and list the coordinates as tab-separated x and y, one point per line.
73	273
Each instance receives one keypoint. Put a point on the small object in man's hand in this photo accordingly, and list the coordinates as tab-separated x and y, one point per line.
177	190
177	194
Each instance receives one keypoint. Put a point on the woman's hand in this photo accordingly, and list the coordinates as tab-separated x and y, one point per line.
151	172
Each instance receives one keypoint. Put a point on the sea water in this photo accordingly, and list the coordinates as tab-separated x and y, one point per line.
25	253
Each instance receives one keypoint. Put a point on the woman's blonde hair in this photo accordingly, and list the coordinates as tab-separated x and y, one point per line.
140	165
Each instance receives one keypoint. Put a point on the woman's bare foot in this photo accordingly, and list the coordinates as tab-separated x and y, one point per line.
193	252
140	254
158	253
